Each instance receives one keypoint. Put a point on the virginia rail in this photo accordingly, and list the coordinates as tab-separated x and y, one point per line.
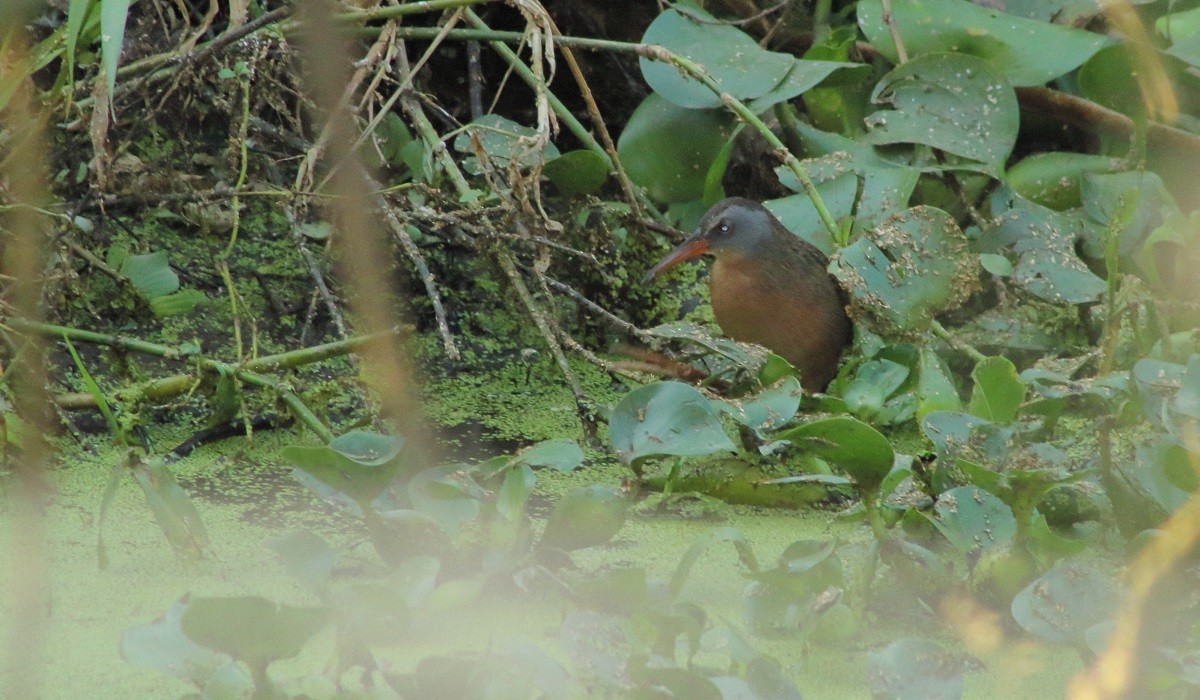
769	287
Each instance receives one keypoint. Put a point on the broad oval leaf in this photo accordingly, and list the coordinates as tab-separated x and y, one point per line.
585	517
769	409
667	418
361	482
973	519
577	172
669	149
952	102
912	266
736	62
251	629
847	443
561	455
367	448
914	669
162	645
1063	603
998	390
1053	179
1024	51
935	388
504	140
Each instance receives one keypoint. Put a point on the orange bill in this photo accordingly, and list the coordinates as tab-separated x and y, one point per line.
690	249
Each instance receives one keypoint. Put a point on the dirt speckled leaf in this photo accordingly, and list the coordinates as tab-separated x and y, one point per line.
952	102
912	266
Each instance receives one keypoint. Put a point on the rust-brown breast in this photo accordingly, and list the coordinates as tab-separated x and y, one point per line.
786	302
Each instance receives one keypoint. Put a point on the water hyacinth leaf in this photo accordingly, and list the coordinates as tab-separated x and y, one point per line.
1106	197
561	455
667	418
668	149
935	389
150	273
1053	179
514	492
847	443
952	102
1114	77
367	448
873	383
768	680
446	494
805	75
1062	604
585	517
577	172
769	409
361	482
1044	241
914	669
913	265
252	629
998	391
504	140
973	519
798	215
886	185
162	645
180	303
701	544
734	60
1024	51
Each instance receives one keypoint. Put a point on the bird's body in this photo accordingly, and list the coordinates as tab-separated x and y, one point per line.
770	287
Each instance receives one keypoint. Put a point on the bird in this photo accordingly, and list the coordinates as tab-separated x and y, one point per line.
770	287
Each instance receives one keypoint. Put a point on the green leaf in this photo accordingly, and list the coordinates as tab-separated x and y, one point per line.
561	455
1024	51
180	303
935	388
504	140
361	481
914	669
162	645
769	409
1044	241
251	629
973	519
150	273
1053	179
1063	603
446	494
514	492
113	15
874	382
367	448
667	418
998	391
799	216
585	517
577	172
847	443
886	185
668	149
912	266
952	102
735	61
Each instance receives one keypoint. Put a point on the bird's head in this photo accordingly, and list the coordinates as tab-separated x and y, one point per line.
734	225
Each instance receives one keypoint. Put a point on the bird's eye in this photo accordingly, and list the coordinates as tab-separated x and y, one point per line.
724	228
